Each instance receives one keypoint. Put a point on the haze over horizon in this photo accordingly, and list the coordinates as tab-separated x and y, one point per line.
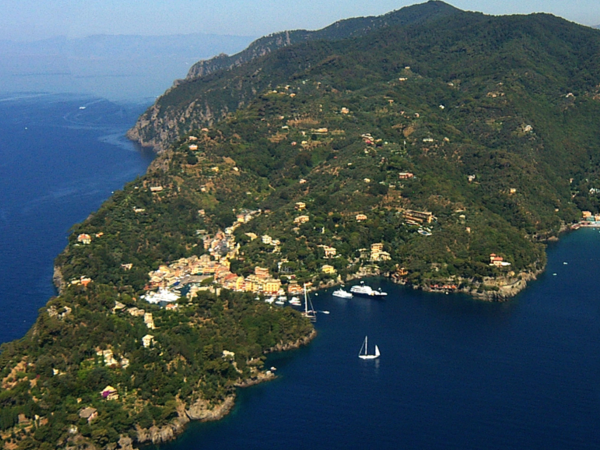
131	50
30	20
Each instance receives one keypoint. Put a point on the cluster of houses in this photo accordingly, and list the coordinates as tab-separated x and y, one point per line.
83	281
185	269
369	139
590	219
109	359
195	269
375	254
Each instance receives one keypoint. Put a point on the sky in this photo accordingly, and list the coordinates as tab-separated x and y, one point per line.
29	20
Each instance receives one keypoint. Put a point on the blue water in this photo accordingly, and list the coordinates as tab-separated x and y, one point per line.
58	163
454	373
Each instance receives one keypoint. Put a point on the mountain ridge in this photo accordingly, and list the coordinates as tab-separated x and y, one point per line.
163	123
342	29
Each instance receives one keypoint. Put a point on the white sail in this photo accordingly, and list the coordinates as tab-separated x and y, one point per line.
365	347
310	313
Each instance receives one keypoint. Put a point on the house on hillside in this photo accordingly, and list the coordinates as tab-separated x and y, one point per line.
88	414
84	239
418	216
109	393
147	340
498	261
330	270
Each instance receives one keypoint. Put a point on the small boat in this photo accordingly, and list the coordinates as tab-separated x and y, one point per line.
364	353
270	300
295	301
342	294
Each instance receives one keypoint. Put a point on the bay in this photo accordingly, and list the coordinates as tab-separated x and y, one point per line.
455	373
61	156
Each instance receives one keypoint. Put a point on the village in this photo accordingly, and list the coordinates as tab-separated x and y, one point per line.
213	268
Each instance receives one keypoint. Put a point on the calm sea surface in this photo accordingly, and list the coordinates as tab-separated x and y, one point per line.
454	373
58	163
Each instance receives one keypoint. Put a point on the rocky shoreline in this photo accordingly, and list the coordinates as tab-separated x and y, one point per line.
204	411
282	347
492	289
58	279
499	289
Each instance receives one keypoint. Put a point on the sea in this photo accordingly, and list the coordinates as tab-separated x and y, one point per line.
454	372
61	156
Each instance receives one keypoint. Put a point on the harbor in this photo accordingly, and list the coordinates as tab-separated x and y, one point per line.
450	367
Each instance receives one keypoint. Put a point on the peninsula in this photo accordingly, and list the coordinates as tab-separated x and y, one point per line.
438	147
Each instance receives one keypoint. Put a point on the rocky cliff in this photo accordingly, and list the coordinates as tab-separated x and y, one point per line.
213	88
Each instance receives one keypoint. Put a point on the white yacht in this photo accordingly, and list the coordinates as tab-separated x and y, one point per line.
342	294
367	291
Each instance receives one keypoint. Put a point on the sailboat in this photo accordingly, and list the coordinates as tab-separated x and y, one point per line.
365	354
310	313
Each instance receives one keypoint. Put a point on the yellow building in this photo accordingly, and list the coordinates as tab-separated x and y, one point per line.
271	286
250	285
328	269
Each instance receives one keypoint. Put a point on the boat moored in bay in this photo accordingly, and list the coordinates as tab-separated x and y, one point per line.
367	291
342	294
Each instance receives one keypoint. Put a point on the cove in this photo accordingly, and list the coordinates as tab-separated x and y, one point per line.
454	373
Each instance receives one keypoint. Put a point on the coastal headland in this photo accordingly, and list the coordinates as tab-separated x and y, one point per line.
409	148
